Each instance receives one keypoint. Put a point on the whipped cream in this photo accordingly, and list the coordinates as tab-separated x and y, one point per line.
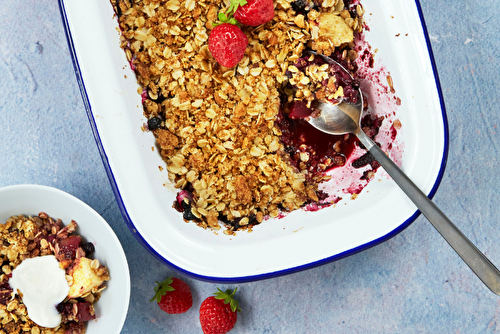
43	285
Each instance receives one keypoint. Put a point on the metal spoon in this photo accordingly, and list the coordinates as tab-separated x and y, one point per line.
345	118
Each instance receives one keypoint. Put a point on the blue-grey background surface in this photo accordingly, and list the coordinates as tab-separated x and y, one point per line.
413	283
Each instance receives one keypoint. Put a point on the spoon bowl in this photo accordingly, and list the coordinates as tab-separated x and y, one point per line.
338	119
345	117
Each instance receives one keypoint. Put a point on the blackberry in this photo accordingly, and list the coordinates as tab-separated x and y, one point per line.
364	160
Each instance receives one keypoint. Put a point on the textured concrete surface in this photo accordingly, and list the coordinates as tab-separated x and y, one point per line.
413	283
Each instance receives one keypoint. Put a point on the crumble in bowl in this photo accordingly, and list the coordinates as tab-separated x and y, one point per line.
26	237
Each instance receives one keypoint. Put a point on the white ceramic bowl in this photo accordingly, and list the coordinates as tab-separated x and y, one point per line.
112	308
302	239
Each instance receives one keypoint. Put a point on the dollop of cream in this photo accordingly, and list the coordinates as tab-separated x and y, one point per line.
43	285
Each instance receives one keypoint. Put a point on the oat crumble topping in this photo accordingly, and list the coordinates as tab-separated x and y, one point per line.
216	127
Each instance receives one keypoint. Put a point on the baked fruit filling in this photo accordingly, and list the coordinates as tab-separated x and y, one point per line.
234	139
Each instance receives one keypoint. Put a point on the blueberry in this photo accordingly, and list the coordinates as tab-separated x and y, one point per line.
88	248
186	206
187	214
60	307
300	6
154	123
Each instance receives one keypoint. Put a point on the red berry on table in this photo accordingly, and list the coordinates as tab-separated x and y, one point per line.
227	44
218	314
255	12
173	296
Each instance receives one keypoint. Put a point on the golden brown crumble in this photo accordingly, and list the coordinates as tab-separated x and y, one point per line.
218	134
24	237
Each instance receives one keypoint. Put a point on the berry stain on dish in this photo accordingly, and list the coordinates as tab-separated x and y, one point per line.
227	92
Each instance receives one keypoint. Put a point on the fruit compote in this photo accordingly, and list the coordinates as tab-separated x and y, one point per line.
312	151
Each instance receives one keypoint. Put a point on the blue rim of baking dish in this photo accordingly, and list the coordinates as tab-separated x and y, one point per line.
251	278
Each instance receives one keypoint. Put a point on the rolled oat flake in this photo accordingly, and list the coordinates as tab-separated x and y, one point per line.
43	285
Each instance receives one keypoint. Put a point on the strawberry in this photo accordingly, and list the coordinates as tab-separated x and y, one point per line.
227	43
254	12
218	314
173	296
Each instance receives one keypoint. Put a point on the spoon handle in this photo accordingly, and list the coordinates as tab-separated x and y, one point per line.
472	256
